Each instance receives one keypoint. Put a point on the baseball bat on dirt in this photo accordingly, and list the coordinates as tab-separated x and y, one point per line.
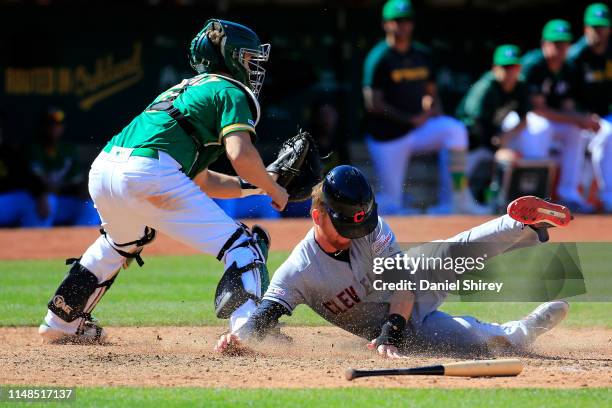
473	368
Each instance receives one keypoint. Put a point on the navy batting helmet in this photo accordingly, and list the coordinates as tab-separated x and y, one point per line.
350	202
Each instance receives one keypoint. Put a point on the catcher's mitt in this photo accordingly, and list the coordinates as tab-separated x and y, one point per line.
298	166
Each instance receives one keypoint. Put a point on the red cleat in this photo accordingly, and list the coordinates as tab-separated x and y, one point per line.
532	210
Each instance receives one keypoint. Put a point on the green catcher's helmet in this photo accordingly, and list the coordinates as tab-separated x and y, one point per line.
231	47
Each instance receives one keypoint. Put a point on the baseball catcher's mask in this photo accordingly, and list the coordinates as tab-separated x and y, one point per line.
225	46
350	202
252	60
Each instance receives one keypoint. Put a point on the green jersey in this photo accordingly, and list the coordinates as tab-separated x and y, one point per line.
485	106
593	77
402	78
214	105
554	86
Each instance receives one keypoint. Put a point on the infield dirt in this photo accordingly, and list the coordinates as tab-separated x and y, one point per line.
183	356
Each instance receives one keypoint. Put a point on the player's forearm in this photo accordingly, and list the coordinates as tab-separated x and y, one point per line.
250	167
400	308
248	164
401	303
504	138
218	185
375	103
430	105
558	116
396	115
431	102
541	108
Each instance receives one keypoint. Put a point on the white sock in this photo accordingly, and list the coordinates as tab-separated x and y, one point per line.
53	321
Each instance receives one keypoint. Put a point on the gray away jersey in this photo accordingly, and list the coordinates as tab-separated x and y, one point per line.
340	292
343	293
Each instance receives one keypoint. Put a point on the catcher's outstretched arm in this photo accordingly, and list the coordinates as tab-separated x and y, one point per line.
219	185
248	164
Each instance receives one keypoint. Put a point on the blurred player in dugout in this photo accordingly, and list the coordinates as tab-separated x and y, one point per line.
554	100
18	187
62	199
591	60
404	117
497	93
43	186
556	125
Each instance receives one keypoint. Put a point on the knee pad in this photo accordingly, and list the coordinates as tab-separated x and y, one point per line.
78	293
247	276
231	292
149	236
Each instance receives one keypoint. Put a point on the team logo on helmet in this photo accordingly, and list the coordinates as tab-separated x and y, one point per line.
359	216
350	202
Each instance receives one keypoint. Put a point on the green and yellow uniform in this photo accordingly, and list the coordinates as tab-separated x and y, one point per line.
485	106
402	78
555	87
215	105
593	77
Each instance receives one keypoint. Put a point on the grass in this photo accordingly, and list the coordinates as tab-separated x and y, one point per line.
173	290
356	397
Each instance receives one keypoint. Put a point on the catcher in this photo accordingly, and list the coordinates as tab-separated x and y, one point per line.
331	271
153	176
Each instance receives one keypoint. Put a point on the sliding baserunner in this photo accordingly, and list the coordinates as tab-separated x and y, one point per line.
331	271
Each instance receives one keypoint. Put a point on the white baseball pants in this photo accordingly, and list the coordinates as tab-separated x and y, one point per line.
131	192
536	141
391	158
600	147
